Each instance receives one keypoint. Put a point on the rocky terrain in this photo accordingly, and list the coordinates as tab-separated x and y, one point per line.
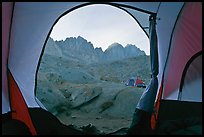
81	85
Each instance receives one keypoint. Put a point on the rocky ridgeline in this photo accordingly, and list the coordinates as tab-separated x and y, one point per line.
82	50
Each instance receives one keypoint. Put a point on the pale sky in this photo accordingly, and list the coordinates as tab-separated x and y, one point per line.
101	25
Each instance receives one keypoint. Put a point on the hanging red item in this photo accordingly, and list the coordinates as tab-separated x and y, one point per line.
19	110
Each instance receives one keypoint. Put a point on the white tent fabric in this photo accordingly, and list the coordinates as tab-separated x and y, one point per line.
190	95
32	22
192	86
167	18
190	92
31	25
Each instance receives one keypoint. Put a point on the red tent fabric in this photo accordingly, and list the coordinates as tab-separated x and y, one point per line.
139	81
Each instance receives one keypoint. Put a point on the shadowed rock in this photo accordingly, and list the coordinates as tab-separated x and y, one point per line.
84	95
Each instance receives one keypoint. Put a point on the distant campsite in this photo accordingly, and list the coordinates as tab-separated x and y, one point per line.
135	81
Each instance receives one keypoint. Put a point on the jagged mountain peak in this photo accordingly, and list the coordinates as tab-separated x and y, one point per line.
81	38
83	50
115	45
130	45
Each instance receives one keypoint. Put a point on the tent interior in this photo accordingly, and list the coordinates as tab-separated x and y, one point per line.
171	102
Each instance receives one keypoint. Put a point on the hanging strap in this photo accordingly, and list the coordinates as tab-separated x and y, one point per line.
154	118
19	110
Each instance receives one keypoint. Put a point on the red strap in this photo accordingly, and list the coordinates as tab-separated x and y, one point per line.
154	117
19	108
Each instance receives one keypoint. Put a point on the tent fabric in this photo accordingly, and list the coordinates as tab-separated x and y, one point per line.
7	8
192	80
160	53
23	63
131	82
146	102
135	82
19	110
153	46
175	63
166	19
186	41
154	117
139	81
